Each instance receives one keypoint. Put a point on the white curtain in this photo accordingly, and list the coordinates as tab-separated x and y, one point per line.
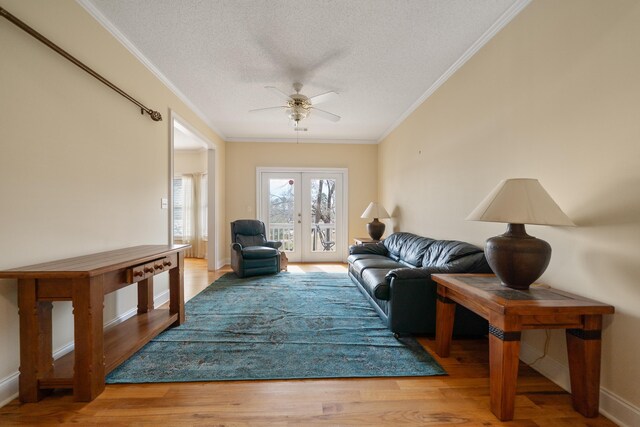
194	215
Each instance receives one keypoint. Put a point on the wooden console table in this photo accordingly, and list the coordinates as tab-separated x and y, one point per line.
509	311
85	281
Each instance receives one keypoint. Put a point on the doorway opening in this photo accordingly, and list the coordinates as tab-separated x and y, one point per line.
305	209
192	191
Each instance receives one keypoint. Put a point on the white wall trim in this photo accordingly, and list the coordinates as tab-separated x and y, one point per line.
115	32
9	384
8	388
618	410
501	22
550	368
612	406
304	140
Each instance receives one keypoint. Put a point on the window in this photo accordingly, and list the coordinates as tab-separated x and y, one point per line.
178	208
184	210
203	205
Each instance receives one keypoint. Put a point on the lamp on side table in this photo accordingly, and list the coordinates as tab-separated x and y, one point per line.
517	258
375	228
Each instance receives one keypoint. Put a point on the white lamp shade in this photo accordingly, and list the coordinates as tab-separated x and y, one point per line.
520	201
375	210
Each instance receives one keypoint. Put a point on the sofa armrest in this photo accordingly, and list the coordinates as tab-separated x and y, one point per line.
236	247
273	244
408	273
377	249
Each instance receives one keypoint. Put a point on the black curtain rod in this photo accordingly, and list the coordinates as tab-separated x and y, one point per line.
155	115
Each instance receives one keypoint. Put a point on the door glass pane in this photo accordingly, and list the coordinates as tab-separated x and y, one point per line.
281	212
323	215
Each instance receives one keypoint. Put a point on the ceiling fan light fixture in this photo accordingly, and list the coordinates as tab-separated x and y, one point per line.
297	113
299	106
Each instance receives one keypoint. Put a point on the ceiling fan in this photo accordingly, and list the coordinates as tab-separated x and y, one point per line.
299	106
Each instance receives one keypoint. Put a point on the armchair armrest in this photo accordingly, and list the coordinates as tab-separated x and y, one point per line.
273	244
377	249
236	247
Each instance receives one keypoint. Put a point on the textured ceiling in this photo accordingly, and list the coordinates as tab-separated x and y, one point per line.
382	56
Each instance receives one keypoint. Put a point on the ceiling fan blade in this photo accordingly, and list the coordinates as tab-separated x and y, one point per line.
267	108
280	94
326	115
323	97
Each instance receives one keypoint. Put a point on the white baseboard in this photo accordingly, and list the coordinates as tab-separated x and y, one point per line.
618	410
9	384
612	406
550	368
8	388
222	263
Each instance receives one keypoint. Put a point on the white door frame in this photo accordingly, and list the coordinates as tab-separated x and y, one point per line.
212	238
344	203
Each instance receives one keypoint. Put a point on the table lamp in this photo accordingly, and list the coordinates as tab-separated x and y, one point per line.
375	228
517	258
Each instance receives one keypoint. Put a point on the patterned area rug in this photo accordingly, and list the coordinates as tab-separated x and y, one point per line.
285	326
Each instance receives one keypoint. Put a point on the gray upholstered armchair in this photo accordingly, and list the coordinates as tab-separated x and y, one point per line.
251	253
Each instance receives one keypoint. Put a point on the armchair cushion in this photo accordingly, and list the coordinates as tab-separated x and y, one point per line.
251	240
259	252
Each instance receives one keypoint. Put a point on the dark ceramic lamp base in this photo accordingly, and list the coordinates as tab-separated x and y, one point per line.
517	258
375	229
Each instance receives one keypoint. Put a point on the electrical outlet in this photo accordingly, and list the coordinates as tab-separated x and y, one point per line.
164	203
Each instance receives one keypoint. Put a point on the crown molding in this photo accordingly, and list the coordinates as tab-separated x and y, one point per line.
115	32
304	141
502	21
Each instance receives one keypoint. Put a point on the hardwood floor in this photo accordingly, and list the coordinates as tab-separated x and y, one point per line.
461	398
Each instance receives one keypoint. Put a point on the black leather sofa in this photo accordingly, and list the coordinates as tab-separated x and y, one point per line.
395	275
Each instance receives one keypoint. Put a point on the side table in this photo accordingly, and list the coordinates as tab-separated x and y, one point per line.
365	241
509	311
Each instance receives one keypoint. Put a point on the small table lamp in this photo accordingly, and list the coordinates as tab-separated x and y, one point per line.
517	258
375	228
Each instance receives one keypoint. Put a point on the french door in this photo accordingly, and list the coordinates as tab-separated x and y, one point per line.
305	210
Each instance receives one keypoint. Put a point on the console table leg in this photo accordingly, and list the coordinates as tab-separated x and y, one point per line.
445	314
89	369
176	290
584	351
36	359
145	295
504	351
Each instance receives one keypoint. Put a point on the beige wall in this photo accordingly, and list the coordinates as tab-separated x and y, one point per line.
554	96
244	157
81	170
189	162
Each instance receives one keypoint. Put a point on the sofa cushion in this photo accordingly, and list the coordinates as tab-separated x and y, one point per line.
407	247
353	258
374	281
443	252
259	252
360	265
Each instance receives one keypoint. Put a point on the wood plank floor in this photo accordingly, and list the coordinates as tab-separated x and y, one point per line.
461	398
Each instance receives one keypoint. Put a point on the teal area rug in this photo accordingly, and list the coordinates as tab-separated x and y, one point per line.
308	325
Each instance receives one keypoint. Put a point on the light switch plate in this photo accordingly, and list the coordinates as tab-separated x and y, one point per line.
164	203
